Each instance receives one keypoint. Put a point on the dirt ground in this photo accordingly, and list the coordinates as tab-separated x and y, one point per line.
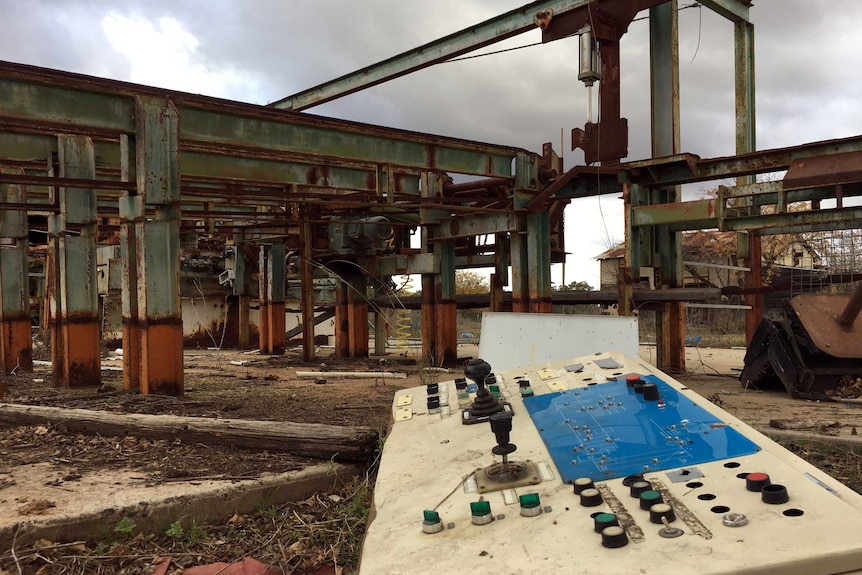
267	388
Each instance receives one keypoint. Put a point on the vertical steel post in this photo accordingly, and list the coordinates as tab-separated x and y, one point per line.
664	82
748	244
78	301
131	207
531	250
272	330
357	311
16	348
500	277
242	298
306	231
439	308
157	244
625	280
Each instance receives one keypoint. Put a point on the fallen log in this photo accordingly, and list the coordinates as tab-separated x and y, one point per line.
306	439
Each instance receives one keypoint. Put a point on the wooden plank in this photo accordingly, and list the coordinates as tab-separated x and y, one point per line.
305	439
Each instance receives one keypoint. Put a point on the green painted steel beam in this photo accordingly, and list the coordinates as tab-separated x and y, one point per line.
476	225
324	143
733	10
689	168
38	100
158	237
14	289
276	171
89	111
77	280
798	221
695	214
490	31
400	264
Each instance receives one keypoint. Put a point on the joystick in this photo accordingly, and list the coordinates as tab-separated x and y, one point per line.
501	425
485	403
506	474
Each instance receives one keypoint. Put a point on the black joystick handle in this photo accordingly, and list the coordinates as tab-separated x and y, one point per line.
501	425
477	370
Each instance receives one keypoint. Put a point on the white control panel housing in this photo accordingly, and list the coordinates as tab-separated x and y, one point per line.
430	459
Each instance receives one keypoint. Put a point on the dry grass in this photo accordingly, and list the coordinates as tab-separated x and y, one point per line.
297	538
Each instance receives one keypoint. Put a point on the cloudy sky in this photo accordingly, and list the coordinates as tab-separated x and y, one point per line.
808	61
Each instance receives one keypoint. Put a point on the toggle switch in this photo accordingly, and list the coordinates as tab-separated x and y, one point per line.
480	512
530	505
431	522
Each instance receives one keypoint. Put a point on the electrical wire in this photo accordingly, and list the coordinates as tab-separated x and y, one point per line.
699	29
681	8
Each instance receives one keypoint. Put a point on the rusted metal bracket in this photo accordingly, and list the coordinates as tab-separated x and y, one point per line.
604	141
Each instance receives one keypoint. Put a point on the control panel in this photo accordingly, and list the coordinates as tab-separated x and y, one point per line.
598	464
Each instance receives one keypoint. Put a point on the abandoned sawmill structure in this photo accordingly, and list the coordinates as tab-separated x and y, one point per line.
174	187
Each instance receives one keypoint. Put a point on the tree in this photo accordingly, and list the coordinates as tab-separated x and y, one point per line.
575	286
467	282
575	308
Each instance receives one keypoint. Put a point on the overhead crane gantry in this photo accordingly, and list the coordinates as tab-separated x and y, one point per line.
74	148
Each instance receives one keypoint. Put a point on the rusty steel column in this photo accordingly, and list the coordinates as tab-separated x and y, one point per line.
157	245
272	330
131	207
665	124
306	236
78	301
500	277
342	320
749	249
357	310
240	290
539	257
445	305
428	318
16	347
351	315
531	249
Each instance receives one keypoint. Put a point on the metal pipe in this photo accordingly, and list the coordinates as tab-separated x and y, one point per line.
487	183
851	312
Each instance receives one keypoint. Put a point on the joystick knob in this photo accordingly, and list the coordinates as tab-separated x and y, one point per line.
477	370
501	425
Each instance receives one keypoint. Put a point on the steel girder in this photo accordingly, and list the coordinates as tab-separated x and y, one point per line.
531	16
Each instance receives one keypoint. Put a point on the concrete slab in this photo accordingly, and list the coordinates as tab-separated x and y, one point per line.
36	504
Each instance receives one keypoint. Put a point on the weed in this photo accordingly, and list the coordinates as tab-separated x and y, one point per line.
124	526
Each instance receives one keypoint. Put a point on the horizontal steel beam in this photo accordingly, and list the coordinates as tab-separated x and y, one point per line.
476	225
400	264
733	10
490	31
689	168
44	101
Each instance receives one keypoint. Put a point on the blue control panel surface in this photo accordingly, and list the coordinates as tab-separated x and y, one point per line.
606	430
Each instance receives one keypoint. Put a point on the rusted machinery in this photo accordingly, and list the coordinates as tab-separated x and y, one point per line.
814	350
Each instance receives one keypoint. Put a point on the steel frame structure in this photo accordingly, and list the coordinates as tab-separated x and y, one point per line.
76	150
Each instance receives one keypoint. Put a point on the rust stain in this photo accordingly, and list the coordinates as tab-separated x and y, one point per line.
162	357
16	346
81	361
